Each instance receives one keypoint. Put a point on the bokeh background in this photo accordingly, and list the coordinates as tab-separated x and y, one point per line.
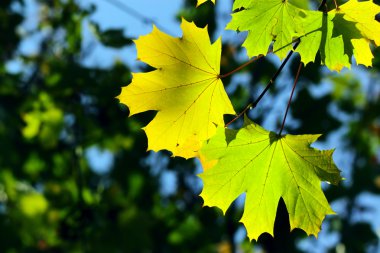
74	172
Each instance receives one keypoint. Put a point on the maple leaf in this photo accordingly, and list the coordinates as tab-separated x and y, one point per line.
267	21
303	4
337	35
340	34
321	34
199	2
363	14
185	89
268	167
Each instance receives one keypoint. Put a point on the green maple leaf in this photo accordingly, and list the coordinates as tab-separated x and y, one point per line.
323	35
268	167
363	14
267	21
337	35
340	34
303	4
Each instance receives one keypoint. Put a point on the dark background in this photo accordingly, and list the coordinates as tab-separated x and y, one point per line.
55	109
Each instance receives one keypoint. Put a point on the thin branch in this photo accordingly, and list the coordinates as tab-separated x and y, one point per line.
255	59
252	105
291	97
241	66
146	20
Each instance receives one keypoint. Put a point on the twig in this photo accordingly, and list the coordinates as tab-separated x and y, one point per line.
241	66
270	83
291	97
255	59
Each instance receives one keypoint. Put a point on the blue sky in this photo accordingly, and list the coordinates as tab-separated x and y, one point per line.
107	15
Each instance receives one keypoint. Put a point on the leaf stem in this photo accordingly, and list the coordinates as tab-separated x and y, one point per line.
252	105
241	66
322	6
336	5
291	97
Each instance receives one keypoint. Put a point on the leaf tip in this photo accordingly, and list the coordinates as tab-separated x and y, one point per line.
199	2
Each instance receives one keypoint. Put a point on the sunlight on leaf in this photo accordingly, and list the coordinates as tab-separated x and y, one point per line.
267	21
185	89
268	167
337	36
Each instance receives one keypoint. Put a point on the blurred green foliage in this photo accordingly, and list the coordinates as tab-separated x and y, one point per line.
55	109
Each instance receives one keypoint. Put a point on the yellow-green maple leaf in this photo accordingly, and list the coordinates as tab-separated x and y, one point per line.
199	2
363	14
267	21
340	34
185	89
337	35
321	34
268	167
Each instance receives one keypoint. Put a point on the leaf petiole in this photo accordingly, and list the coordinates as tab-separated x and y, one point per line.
291	97
241	66
322	6
336	5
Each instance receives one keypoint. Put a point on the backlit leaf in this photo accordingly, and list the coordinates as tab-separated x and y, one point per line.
338	35
267	21
268	167
322	34
341	34
363	14
185	89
